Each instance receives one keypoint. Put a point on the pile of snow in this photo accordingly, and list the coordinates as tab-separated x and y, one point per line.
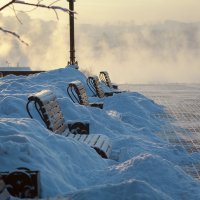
141	166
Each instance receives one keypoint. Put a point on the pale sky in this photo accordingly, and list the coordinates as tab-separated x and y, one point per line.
145	55
139	11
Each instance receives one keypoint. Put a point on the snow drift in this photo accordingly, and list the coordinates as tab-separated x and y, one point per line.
142	166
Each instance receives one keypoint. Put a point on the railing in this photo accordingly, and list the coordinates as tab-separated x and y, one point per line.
18	73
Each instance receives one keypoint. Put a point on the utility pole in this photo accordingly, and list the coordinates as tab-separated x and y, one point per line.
71	35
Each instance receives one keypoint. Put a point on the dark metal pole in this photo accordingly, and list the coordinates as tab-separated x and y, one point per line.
71	33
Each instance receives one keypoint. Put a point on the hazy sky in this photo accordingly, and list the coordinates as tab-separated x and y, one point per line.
152	46
140	11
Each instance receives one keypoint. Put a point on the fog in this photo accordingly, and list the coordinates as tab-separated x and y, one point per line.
131	53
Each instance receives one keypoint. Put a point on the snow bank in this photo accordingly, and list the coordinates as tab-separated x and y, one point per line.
141	166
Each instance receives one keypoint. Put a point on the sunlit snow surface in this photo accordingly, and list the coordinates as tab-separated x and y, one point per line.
148	160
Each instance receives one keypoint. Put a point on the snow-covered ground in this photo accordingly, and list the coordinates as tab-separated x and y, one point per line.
141	166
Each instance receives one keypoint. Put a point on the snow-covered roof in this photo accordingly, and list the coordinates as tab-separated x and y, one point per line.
15	69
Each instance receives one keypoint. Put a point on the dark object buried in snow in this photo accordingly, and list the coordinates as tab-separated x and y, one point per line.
22	183
49	110
104	77
94	85
77	93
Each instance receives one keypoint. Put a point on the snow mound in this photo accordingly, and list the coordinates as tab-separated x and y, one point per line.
142	166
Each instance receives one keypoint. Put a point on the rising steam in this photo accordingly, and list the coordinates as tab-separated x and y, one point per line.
162	52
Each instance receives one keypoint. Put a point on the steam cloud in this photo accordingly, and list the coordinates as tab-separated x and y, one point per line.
149	53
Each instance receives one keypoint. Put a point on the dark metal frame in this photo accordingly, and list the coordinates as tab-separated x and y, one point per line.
72	60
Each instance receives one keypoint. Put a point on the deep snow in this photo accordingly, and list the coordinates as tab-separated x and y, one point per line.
142	166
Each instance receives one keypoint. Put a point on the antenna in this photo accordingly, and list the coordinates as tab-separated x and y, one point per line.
71	34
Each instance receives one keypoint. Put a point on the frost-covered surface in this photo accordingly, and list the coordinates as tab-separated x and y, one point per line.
142	166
